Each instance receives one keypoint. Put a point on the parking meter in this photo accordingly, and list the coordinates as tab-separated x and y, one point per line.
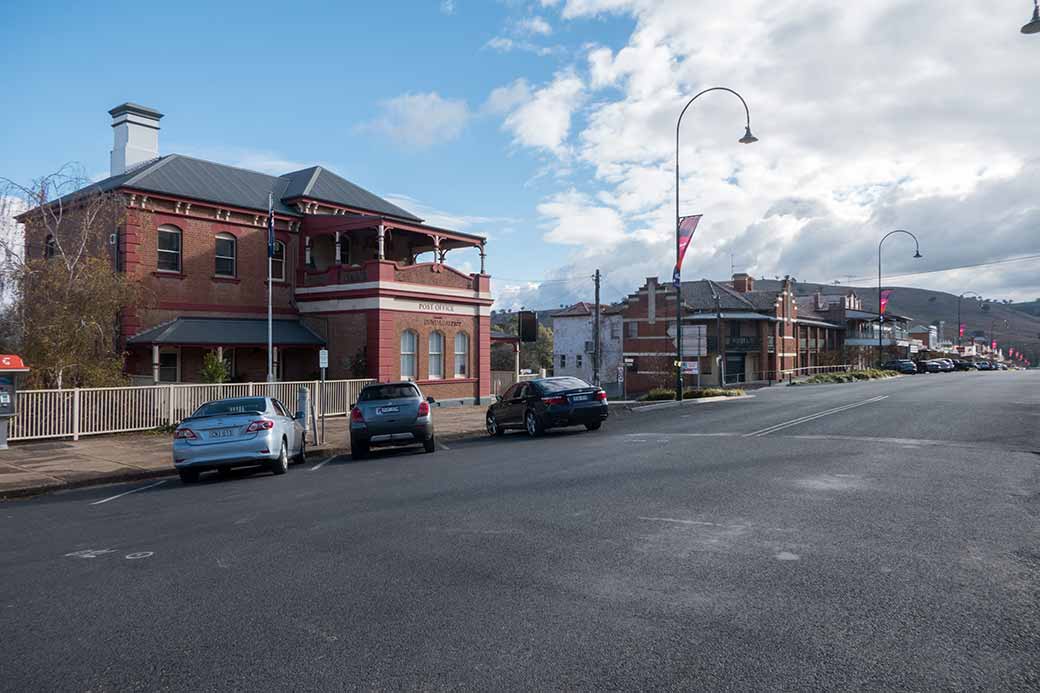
10	367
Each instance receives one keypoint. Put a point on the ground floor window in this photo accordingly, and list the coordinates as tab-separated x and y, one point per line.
169	366
409	345
436	355
461	354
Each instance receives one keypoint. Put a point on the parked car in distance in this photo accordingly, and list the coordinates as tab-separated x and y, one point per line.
929	366
900	366
945	365
537	405
983	365
238	432
963	365
1002	366
390	414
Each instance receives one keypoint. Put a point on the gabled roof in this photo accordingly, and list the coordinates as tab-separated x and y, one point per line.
207	181
700	295
228	332
317	183
585	309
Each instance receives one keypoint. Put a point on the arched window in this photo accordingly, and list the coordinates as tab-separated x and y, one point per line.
409	345
169	249
461	355
436	355
278	262
225	255
50	247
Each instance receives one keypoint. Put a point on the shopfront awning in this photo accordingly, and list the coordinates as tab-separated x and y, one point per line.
227	332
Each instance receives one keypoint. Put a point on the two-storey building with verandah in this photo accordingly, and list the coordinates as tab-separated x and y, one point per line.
352	273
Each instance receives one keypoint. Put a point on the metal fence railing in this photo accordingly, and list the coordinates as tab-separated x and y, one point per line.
92	411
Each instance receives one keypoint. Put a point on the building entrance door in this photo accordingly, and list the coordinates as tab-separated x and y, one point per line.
734	368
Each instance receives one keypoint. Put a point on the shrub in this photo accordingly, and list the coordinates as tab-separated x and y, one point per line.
849	377
658	394
712	392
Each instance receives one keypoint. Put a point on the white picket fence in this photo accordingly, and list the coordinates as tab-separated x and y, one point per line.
92	411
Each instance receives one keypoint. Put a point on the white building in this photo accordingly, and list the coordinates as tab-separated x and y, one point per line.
574	345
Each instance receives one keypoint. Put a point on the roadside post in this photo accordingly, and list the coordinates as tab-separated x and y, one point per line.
303	396
10	367
323	363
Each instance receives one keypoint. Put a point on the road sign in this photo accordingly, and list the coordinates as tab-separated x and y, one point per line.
691	367
620	374
323	358
629	361
694	339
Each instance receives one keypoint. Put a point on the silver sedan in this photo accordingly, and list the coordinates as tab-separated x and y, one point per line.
238	432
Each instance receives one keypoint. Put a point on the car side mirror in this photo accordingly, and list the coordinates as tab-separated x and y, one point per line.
431	400
498	398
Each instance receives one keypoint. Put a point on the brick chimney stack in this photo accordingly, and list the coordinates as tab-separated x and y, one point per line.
743	282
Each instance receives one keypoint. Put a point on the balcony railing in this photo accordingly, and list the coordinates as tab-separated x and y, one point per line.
737	344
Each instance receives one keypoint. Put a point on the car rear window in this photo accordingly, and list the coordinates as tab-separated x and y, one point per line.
561	385
388	392
232	406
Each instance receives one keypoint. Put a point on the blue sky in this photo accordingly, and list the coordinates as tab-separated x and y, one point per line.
548	125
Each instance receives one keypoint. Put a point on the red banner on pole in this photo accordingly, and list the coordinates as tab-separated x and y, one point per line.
884	299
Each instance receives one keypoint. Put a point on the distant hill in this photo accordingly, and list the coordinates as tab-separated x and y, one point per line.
1030	308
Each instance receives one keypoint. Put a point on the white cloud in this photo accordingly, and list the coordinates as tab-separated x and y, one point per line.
448	6
872	116
504	99
534	25
504	44
420	120
575	219
544	120
471	223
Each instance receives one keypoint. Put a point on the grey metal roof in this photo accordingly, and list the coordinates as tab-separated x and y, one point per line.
819	323
227	332
207	181
699	295
318	183
728	315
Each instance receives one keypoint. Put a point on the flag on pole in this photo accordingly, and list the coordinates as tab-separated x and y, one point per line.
993	345
884	299
961	334
270	225
687	227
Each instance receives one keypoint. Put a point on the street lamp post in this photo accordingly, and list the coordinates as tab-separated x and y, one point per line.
917	254
959	323
1033	25
748	138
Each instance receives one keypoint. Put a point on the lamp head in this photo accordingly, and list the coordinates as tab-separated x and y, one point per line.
1033	25
748	138
917	254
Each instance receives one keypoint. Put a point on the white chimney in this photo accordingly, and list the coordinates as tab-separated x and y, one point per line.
136	136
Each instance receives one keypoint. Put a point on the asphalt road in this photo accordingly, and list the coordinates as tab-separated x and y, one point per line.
746	545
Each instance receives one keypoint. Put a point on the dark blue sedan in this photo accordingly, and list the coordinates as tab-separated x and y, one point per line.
537	405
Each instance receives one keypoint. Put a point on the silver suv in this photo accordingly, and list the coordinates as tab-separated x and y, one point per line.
390	414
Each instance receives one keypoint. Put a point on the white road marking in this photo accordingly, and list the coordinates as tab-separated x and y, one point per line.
139	554
787	556
127	493
89	553
689	522
443	445
323	463
811	417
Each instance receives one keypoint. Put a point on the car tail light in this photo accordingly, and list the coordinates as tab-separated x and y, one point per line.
356	415
184	434
424	408
260	425
554	400
601	396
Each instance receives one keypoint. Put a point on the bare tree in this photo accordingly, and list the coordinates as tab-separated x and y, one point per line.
67	289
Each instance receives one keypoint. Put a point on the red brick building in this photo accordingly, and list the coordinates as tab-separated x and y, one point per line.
763	333
347	274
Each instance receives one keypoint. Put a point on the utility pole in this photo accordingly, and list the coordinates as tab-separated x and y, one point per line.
595	336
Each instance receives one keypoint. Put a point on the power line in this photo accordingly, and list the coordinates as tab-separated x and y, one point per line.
950	269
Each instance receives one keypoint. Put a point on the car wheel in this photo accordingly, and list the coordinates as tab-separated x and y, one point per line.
493	428
532	424
430	444
281	465
594	426
358	450
302	457
188	476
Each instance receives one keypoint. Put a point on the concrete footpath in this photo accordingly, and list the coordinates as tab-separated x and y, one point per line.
30	467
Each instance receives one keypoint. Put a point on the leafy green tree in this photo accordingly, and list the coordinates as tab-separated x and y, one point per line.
214	369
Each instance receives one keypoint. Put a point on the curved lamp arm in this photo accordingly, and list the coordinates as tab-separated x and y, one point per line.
917	250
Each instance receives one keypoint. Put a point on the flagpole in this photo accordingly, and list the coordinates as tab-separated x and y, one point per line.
270	286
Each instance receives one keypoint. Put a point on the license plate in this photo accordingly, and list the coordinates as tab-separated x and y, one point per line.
222	433
580	398
388	410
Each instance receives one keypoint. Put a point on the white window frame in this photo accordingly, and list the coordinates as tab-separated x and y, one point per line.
413	355
233	257
278	276
563	360
435	364
577	362
169	228
461	357
177	355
